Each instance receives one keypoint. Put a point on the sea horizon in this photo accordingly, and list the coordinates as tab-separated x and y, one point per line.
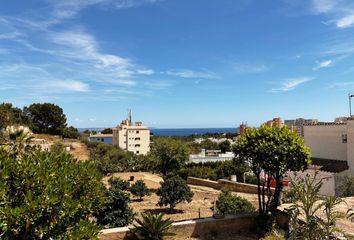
178	131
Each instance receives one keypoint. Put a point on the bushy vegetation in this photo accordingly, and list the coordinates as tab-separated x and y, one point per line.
112	159
345	186
115	211
152	227
215	170
139	189
46	195
45	118
309	203
228	203
173	190
272	151
170	155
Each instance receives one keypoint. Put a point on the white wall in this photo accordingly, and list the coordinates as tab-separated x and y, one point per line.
325	141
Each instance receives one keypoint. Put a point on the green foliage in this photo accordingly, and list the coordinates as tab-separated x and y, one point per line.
275	151
57	148
116	211
170	154
198	172
152	227
207	144
228	203
10	115
118	183
107	131
111	159
139	189
225	146
309	204
71	132
173	190
46	118
345	186
289	196
47	196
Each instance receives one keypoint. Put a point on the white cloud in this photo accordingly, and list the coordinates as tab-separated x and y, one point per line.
145	71
322	64
186	73
344	86
324	6
291	83
68	85
64	9
345	22
250	68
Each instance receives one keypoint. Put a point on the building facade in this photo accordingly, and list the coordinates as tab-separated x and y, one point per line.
128	135
133	137
332	141
297	125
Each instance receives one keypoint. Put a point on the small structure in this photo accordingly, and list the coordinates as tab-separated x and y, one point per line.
102	138
211	156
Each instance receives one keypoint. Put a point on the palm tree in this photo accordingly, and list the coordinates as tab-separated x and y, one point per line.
152	227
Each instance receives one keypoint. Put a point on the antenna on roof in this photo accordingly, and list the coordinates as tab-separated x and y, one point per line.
350	104
130	116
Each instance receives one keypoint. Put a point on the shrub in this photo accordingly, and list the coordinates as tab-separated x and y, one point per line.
116	211
227	203
289	196
57	148
139	189
173	190
345	187
118	183
152	227
45	195
71	132
199	172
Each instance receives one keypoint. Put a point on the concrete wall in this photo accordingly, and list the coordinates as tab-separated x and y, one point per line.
221	183
350	146
325	141
232	224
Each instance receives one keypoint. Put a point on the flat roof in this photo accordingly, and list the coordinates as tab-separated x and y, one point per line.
101	135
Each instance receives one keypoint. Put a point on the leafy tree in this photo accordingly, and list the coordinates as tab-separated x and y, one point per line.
152	227
227	203
46	118
107	131
118	183
173	190
139	189
170	154
232	167
116	211
71	132
47	196
225	146
209	145
274	151
10	115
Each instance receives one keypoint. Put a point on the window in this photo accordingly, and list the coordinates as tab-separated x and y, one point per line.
344	138
137	131
137	139
137	152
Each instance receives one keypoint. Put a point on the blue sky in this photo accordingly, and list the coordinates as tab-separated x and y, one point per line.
179	63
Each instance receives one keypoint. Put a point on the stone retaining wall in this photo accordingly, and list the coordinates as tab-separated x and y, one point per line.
221	183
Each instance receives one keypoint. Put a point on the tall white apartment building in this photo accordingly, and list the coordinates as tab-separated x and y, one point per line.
133	137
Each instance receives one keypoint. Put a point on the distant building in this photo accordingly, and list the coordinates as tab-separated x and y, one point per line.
242	128
102	138
128	135
275	122
211	156
297	125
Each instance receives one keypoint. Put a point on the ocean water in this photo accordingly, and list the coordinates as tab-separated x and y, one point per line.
177	131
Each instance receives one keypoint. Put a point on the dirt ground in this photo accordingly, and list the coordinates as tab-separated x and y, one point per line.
199	207
77	148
